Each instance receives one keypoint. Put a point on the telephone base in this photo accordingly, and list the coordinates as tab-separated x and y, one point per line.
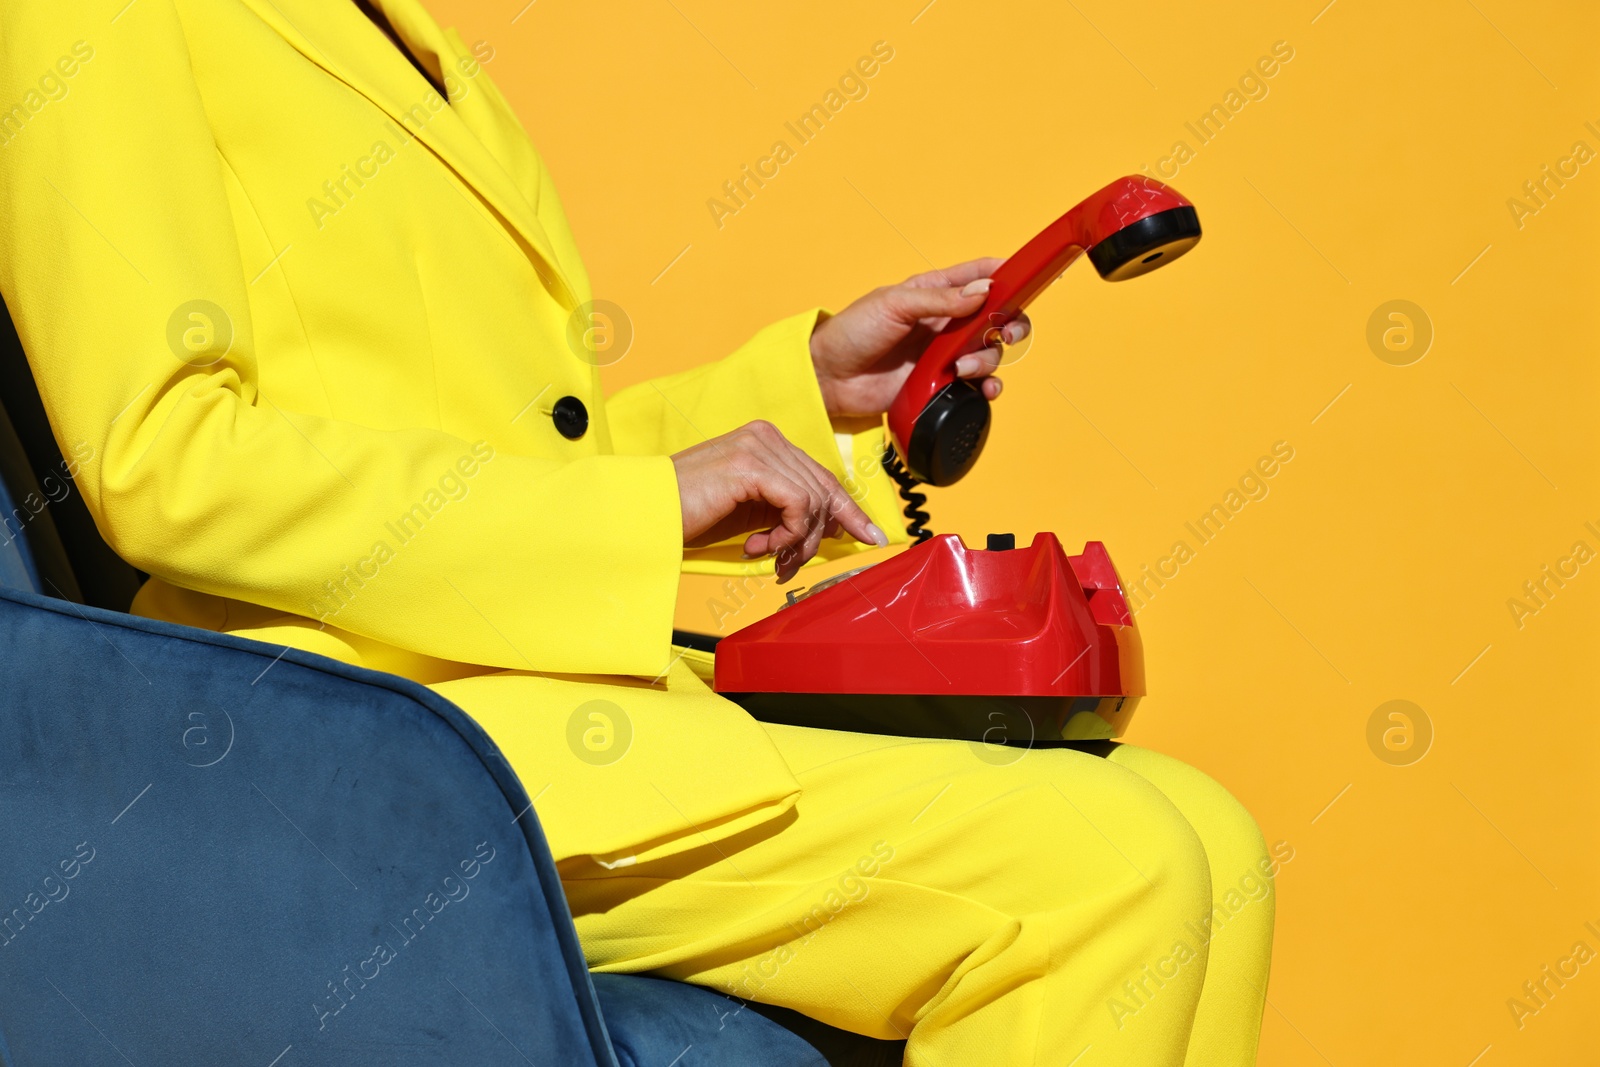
947	641
1010	721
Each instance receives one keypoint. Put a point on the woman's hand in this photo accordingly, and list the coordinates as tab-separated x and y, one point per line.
754	479
865	352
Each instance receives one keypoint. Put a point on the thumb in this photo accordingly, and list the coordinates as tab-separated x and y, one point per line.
910	304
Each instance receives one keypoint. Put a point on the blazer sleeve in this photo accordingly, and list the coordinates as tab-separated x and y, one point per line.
113	216
769	377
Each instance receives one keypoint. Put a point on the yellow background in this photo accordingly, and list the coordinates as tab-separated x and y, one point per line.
1379	567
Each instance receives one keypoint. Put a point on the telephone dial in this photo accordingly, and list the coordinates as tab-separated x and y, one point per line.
1007	645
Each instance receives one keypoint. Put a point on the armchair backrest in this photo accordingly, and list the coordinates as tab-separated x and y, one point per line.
51	543
18	569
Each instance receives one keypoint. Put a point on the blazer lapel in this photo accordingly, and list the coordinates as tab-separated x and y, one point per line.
339	38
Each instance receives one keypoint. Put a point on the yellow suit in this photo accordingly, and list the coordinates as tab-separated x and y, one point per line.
366	440
306	330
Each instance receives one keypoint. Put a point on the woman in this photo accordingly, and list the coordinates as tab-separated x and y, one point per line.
292	277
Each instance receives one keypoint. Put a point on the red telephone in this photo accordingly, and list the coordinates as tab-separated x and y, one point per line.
1003	645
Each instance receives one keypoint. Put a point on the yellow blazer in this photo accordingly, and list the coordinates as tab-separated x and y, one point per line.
305	325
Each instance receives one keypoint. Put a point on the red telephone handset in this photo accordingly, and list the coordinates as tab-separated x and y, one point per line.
939	422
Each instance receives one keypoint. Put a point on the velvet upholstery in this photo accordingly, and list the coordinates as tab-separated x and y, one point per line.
207	840
201	839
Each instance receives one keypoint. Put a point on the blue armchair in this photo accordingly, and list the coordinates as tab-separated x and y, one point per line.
218	851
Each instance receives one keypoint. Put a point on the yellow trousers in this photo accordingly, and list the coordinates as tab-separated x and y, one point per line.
991	906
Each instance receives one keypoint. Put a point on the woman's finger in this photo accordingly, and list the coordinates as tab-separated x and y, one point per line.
832	508
756	545
786	541
797	465
801	498
986	360
842	510
979	364
958	275
910	303
828	508
796	491
1018	328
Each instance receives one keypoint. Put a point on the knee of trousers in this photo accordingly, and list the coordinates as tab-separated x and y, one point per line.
1175	863
1145	829
1243	869
1237	850
1233	842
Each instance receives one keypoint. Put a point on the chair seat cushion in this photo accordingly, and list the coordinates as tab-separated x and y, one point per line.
654	1022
